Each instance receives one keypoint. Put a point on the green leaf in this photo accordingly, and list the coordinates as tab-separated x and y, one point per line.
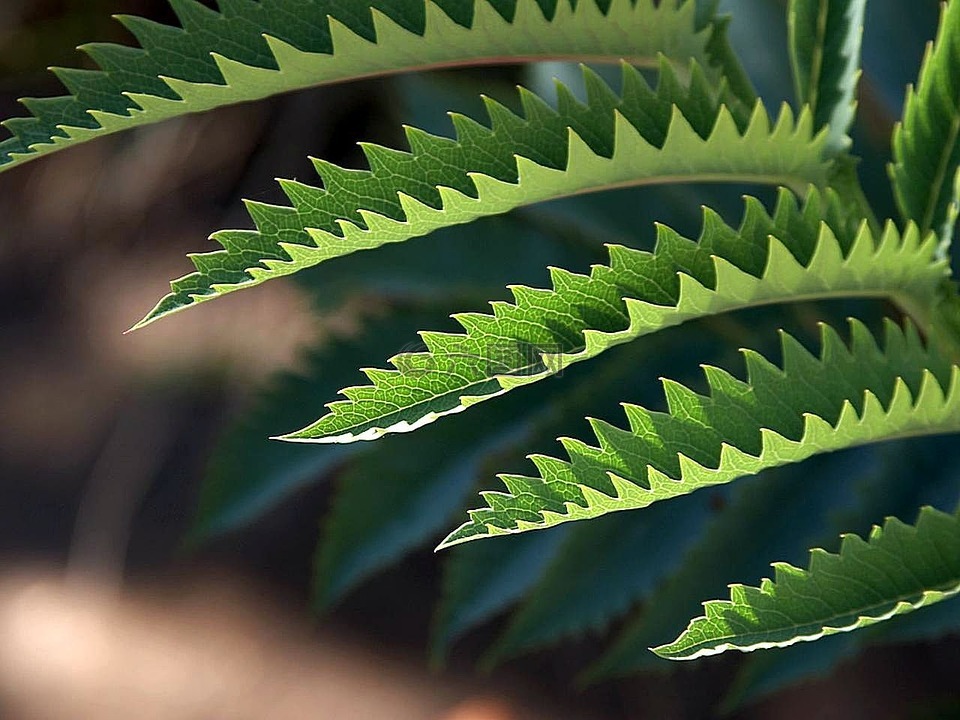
795	254
676	133
824	38
394	498
401	493
777	668
471	584
480	584
738	544
900	568
849	396
251	50
932	466
926	144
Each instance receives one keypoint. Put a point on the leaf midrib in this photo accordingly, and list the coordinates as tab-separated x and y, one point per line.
568	358
941	175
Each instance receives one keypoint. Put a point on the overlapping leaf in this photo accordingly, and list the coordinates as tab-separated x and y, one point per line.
561	597
737	545
250	50
849	396
926	145
931	470
248	472
827	495
402	493
797	253
641	136
396	497
825	55
898	569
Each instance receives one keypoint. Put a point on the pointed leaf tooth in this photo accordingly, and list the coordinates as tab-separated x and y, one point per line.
518	163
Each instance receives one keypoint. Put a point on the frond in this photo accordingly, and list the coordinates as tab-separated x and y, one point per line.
737	545
849	396
825	55
926	144
250	50
677	132
402	493
796	253
826	496
898	569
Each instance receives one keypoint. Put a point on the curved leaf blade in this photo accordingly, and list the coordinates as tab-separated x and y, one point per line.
824	38
672	134
251	50
476	586
737	545
933	468
926	143
795	253
898	569
778	668
850	396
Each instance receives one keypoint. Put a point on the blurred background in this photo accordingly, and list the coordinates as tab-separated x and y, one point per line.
145	569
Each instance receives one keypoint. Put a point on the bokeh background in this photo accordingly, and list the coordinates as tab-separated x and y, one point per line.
105	439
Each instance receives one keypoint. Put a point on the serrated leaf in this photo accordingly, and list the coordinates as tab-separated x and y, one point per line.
926	144
777	668
489	585
577	590
738	544
396	497
824	40
898	569
850	396
931	464
676	133
795	253
251	50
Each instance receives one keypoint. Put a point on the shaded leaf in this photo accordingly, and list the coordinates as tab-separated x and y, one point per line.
825	55
926	144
